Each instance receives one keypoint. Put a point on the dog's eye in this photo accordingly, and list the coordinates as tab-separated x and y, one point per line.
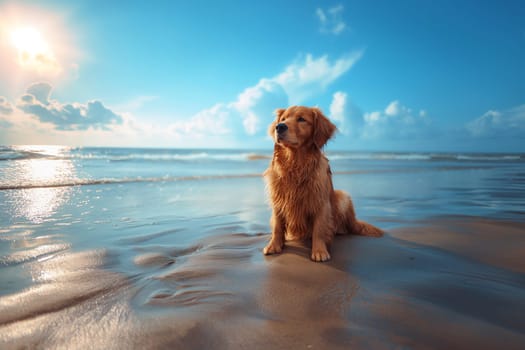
301	119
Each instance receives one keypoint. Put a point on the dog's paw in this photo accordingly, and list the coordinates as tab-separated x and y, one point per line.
320	255
273	248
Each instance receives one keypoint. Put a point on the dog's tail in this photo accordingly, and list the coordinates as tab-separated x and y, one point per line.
346	220
365	229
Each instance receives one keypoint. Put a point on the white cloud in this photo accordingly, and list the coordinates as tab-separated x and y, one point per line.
372	117
69	116
393	108
338	111
251	124
256	103
249	97
5	106
348	118
331	20
508	123
337	107
396	120
321	15
303	79
40	91
254	107
225	123
211	121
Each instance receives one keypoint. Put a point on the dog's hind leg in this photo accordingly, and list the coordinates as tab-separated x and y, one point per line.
346	221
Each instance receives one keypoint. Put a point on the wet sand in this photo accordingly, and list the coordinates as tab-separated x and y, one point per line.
448	283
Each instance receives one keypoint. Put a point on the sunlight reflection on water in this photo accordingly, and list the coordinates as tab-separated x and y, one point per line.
38	204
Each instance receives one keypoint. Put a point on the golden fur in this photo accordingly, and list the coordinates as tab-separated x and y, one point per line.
304	202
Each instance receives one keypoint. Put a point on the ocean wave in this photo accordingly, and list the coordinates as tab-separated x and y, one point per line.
202	156
453	157
8	153
110	181
13	153
378	156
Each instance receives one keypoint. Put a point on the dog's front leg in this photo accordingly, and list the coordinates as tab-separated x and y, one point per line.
322	235
276	243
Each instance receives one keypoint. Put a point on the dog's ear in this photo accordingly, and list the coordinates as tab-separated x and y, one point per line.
323	128
278	113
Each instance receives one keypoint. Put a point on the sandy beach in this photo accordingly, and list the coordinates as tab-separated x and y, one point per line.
393	292
179	264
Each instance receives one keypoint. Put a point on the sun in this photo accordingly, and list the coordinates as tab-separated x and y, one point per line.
33	49
28	40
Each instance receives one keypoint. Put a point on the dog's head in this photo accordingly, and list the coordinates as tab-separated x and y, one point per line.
298	126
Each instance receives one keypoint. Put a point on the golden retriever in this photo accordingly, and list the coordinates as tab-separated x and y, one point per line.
304	202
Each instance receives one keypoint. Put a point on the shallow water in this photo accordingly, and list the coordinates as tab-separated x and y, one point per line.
131	243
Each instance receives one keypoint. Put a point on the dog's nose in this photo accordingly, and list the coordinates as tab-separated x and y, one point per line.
281	127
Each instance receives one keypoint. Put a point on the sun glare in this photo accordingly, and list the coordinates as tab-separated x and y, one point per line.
33	49
28	40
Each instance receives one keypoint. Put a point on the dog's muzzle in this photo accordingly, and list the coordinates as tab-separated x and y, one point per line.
281	128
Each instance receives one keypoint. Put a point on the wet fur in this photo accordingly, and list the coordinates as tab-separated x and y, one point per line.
304	202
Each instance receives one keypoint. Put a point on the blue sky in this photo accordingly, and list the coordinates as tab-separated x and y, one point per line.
407	75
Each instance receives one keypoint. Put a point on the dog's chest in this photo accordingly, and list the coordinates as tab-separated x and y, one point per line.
295	193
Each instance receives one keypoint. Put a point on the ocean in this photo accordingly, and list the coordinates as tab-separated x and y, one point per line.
79	225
